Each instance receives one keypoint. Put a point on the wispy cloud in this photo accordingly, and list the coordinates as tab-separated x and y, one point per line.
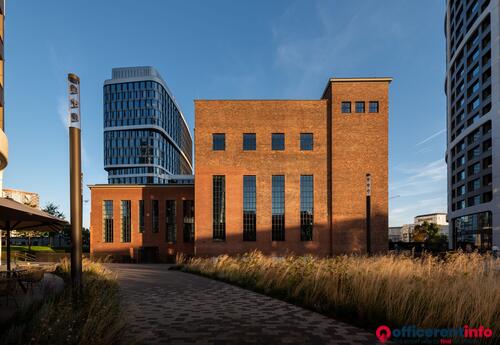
422	189
420	179
343	45
438	133
405	214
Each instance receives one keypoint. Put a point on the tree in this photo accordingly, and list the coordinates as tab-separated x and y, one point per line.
54	210
427	232
51	209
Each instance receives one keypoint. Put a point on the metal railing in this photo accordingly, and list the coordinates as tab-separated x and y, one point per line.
24	256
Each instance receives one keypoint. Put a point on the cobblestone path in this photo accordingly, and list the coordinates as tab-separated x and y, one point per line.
171	307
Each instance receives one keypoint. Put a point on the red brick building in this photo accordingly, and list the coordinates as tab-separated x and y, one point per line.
142	222
280	176
291	175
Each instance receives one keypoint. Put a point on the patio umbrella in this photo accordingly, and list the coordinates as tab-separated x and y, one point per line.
20	217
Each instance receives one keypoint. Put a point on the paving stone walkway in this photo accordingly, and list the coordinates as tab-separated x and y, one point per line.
171	307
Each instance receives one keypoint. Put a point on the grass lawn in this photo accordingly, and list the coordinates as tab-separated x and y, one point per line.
44	249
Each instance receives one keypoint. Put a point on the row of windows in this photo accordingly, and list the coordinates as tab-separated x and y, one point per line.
151	103
136	171
480	36
359	107
473	231
250	141
250	207
470	76
461	22
130	86
472	186
138	180
472	138
473	201
472	170
472	154
170	220
145	103
142	147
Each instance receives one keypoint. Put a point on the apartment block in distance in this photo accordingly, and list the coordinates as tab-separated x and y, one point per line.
294	176
472	86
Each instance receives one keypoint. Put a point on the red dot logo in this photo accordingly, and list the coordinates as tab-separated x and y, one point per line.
383	333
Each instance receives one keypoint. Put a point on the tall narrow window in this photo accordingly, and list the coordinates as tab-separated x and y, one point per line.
125	230
249	142
306	141
141	215
107	212
219	208
278	208
155	216
188	213
218	141
306	207
170	221
249	208
278	141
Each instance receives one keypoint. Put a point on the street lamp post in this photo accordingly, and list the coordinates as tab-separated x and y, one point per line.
368	213
75	172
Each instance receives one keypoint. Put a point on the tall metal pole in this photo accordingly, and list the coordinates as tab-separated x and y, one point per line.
75	173
368	214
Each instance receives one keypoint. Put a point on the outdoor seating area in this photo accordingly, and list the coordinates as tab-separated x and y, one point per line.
25	285
25	279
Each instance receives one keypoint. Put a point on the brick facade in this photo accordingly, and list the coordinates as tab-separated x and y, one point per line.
147	239
347	147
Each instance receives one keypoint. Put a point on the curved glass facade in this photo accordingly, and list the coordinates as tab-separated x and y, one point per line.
146	138
471	106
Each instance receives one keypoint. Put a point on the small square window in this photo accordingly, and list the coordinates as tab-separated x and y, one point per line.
306	141
373	107
249	142
346	107
360	107
218	141
278	141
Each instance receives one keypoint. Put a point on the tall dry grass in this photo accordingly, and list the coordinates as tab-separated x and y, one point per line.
462	289
95	320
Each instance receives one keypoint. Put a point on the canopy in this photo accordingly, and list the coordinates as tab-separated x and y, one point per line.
20	217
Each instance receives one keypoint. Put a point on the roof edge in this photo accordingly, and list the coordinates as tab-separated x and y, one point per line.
354	79
367	79
108	185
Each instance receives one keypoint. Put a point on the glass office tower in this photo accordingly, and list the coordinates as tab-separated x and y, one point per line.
146	138
473	122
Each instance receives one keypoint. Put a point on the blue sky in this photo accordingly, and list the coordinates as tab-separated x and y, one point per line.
223	49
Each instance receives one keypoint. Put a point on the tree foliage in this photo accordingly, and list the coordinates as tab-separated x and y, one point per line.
428	232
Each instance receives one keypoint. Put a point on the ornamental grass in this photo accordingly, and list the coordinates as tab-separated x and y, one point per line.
95	320
461	289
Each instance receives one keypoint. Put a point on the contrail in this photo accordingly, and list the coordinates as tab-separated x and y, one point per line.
431	137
